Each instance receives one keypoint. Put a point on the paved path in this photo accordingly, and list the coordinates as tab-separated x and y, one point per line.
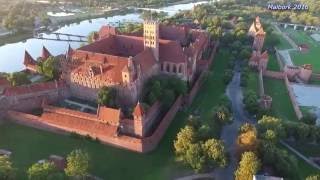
195	176
230	132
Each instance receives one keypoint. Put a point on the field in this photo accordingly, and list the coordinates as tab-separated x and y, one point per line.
283	42
29	145
273	64
311	57
281	104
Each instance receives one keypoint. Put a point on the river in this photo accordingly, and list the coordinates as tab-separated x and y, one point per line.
11	55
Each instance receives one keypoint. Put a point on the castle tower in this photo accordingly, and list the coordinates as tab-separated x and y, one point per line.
138	118
259	40
128	72
151	37
305	72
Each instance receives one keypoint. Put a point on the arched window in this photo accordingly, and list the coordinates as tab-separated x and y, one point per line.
174	69
161	67
168	68
180	69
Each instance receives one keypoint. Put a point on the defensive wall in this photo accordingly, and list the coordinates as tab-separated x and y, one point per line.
97	129
293	99
29	97
283	76
197	85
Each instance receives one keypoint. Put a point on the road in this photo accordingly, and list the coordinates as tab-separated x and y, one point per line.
230	132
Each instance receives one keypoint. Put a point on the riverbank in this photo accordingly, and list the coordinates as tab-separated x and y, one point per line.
59	22
15	37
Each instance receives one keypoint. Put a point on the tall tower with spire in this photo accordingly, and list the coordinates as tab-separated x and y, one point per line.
151	37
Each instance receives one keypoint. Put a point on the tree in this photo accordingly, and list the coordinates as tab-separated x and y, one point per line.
313	177
18	78
248	166
195	157
7	172
184	139
247	139
227	77
271	123
271	40
41	171
222	114
309	118
107	96
77	164
91	36
168	97
251	101
49	67
215	152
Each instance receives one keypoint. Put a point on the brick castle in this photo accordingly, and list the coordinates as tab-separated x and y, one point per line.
122	61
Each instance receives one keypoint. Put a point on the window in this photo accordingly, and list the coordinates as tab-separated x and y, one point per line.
174	69
168	68
180	69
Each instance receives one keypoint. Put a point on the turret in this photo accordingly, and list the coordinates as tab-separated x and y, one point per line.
139	118
128	72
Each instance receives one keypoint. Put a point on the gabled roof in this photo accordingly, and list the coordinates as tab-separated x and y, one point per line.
171	51
138	110
145	59
28	59
45	53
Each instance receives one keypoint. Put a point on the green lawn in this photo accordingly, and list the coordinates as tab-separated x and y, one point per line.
30	145
281	104
305	169
253	82
273	64
311	57
284	44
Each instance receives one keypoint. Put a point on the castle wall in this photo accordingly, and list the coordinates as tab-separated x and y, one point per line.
150	143
293	99
105	133
33	96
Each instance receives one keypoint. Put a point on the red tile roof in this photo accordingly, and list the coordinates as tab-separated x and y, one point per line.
28	59
171	51
45	53
174	33
145	59
138	110
109	115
